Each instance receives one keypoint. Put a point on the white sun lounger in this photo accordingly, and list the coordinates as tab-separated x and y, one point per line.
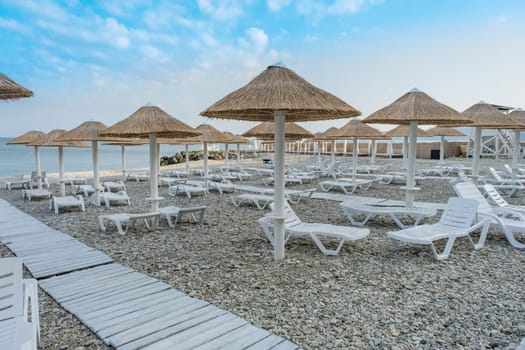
190	188
497	200
36	194
509	221
127	220
458	220
19	329
177	212
287	180
66	202
224	186
114	186
373	209
294	227
85	190
138	177
347	187
170	181
111	197
259	200
16	182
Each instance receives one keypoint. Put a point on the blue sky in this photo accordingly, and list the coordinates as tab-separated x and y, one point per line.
103	60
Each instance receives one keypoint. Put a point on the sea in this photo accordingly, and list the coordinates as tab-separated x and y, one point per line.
20	159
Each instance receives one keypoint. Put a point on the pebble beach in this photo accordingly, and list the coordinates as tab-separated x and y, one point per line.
367	297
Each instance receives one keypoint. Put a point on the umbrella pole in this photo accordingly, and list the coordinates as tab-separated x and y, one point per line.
515	153
475	156
442	150
239	153
153	181
205	147
373	156
37	164
226	156
61	170
319	151
278	219
354	158
410	186
332	156
405	150
96	184
123	158
187	156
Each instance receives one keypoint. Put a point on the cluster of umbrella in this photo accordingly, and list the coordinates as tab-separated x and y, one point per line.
279	97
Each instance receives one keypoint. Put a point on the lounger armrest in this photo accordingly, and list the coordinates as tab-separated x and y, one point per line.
505	212
31	298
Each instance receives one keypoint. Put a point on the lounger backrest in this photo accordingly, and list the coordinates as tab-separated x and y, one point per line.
11	297
470	190
508	168
494	196
291	219
459	212
495	174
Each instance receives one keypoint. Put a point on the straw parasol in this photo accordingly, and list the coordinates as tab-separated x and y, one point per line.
485	116
519	115
355	130
266	131
235	139
9	90
443	131
151	122
123	143
279	95
412	108
50	141
209	134
36	138
403	131
89	131
325	136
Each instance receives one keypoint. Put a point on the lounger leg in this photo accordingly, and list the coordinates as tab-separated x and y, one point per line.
201	216
396	244
483	236
119	224
446	250
512	240
101	224
323	248
168	219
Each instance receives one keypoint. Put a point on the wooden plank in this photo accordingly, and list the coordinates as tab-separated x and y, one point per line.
146	335
75	277
285	345
238	339
266	343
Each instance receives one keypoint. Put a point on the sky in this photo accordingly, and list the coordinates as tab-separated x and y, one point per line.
102	60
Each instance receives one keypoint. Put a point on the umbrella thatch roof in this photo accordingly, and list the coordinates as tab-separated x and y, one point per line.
444	131
237	139
51	140
209	134
278	88
150	120
403	130
488	117
518	114
9	90
179	141
125	142
325	135
355	128
266	131
32	136
417	106
87	131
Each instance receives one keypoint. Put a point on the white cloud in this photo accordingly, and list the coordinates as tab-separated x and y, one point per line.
42	8
258	38
120	7
224	11
115	33
501	19
147	36
310	38
11	24
277	5
154	54
338	7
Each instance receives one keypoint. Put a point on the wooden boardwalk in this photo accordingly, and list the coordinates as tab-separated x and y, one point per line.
126	309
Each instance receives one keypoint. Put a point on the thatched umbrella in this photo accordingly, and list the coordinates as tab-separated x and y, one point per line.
209	134
89	131
279	95
181	141
403	131
412	108
9	90
443	131
519	115
485	116
355	130
123	143
237	140
51	141
36	138
326	136
151	122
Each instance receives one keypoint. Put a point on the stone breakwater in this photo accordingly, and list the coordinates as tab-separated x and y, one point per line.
368	297
180	157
